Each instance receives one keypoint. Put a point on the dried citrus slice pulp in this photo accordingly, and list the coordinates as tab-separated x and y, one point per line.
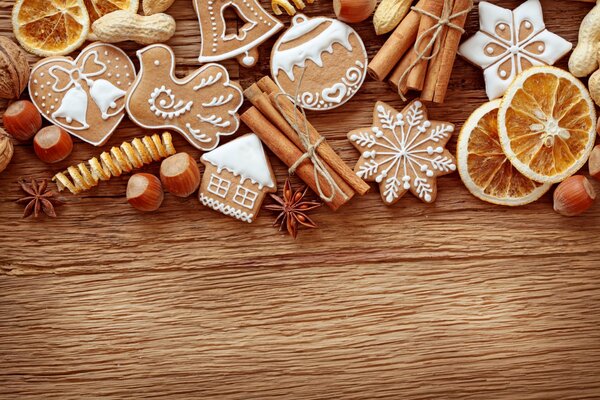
50	27
547	124
483	166
99	8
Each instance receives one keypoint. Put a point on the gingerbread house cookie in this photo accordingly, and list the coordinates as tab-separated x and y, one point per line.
237	177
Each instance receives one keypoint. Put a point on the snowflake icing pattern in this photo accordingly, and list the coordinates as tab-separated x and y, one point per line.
509	42
403	151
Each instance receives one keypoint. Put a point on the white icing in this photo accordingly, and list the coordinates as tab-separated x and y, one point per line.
226	208
168	108
196	132
212	29
529	14
392	152
313	49
105	95
244	157
69	77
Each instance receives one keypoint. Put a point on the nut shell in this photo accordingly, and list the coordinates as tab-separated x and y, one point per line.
594	162
52	144
574	196
6	150
22	120
145	192
353	11
180	175
14	69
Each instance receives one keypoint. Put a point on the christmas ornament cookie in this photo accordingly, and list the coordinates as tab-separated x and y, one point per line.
237	177
85	96
218	45
202	107
509	42
403	151
321	61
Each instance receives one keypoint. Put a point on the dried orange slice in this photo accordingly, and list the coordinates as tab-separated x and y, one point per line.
547	124
483	166
99	8
50	27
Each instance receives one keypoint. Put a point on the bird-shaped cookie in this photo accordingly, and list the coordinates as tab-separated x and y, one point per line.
202	107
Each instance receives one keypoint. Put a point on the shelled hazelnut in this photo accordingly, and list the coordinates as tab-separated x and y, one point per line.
22	120
52	144
145	192
180	175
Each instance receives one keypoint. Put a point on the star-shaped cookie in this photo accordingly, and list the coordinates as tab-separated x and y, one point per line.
403	151
509	42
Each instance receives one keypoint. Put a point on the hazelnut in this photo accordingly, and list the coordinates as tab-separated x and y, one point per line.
180	175
145	192
573	196
52	144
14	69
353	11
22	120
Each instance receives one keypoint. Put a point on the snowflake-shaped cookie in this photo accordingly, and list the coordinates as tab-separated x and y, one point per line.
509	42
403	151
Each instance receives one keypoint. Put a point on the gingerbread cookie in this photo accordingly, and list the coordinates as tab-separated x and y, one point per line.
403	151
237	177
85	96
509	42
202	107
218	45
321	61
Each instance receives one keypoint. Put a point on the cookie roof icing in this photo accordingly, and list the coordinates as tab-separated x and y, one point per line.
243	157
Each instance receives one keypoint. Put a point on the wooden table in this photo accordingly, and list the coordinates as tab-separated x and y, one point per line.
459	299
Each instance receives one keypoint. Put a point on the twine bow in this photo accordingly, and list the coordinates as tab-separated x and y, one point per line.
301	128
435	33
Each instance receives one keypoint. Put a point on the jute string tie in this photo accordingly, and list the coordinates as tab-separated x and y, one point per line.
435	34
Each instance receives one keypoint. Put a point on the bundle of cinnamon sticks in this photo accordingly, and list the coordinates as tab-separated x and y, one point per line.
265	119
430	77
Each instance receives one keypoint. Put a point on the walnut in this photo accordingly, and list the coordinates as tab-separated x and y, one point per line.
6	149
14	69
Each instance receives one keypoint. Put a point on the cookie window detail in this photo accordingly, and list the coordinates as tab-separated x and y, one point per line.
218	186
245	197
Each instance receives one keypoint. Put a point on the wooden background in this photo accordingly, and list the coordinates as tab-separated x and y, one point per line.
459	299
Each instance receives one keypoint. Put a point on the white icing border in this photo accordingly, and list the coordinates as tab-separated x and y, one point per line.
225	208
187	79
74	62
240	50
359	84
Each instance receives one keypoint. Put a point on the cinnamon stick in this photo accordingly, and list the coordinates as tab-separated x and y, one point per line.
395	47
265	105
416	77
287	152
449	51
325	151
433	70
394	79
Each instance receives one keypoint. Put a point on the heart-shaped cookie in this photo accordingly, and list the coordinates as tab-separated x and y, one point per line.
85	96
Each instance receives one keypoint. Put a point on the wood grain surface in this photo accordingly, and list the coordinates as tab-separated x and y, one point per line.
455	300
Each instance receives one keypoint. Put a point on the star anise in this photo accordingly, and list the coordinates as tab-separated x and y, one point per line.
39	199
292	209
